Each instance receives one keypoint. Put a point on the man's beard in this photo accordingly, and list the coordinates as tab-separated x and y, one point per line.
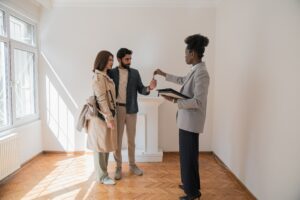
125	66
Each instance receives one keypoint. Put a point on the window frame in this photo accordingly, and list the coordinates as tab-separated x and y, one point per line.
12	44
31	117
4	22
13	14
8	91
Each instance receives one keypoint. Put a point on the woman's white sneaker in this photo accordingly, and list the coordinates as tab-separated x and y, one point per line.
108	181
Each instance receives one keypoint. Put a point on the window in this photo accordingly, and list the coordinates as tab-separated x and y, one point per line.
18	70
24	82
1	22
21	31
3	86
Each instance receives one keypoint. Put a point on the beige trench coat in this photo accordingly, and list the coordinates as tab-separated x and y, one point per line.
100	137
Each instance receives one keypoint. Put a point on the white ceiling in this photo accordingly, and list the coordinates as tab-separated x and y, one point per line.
127	3
43	3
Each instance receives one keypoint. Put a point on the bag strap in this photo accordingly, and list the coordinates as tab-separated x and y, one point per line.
114	104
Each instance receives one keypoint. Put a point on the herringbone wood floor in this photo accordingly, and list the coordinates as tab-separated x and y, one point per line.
58	176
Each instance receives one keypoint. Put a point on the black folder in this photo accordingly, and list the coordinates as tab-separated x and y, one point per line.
172	93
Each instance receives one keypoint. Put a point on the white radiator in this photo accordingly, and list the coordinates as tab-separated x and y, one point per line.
9	155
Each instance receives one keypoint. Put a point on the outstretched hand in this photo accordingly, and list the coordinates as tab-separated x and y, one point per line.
159	72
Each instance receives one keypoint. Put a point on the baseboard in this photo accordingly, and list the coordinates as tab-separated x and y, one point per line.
31	159
206	153
3	181
233	176
89	152
139	156
200	152
67	152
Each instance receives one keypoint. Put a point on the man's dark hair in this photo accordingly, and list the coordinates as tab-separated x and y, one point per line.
101	60
123	52
197	43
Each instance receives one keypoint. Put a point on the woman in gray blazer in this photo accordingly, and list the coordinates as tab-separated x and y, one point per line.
191	113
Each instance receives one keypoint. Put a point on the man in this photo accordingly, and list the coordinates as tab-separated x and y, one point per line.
128	83
191	113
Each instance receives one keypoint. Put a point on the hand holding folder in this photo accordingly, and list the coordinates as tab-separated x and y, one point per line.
169	92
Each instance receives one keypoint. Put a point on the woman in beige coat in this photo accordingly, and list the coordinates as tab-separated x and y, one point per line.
102	135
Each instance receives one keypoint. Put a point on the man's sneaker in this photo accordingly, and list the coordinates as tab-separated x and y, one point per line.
137	171
118	173
108	181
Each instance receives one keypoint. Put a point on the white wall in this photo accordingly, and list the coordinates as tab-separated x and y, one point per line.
30	135
256	97
30	140
71	38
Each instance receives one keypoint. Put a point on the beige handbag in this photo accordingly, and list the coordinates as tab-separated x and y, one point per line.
91	109
88	110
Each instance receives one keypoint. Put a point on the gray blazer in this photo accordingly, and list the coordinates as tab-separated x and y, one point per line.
192	112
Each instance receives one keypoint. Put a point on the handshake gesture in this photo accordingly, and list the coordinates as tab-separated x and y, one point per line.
153	82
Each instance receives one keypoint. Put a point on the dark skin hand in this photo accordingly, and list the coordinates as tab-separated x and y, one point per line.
161	73
174	100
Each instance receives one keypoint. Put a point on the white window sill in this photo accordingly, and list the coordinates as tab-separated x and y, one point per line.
11	129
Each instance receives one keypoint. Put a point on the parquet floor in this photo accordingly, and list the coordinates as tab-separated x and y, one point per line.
59	176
